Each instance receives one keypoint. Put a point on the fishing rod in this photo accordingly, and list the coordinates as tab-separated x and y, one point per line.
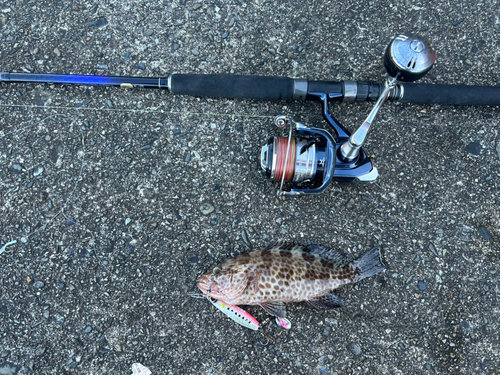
309	159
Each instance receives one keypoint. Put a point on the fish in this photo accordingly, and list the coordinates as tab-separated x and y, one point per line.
285	273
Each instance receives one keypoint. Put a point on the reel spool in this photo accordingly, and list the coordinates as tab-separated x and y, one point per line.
305	162
306	159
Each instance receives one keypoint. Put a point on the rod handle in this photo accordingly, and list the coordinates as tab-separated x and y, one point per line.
233	86
450	94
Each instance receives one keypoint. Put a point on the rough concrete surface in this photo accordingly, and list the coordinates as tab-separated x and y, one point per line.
120	199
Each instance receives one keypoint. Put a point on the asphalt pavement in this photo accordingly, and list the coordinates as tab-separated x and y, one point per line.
113	202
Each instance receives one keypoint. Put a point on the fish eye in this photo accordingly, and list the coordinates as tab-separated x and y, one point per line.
216	271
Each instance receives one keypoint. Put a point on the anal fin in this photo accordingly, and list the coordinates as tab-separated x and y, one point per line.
274	308
327	301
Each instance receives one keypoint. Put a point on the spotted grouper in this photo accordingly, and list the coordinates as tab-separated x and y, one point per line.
285	273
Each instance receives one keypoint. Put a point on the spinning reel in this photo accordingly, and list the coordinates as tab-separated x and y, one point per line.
309	159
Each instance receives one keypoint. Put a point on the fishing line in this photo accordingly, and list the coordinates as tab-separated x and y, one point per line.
161	111
193	295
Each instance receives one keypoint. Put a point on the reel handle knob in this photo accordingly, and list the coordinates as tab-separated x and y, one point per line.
409	57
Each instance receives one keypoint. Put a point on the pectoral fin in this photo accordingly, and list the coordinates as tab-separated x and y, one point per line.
253	281
327	301
274	308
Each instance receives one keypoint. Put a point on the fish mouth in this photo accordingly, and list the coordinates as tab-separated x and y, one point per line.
204	285
209	288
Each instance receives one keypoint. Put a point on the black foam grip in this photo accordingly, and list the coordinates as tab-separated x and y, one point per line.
232	86
450	94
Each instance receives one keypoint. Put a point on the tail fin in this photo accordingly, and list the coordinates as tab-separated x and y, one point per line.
369	264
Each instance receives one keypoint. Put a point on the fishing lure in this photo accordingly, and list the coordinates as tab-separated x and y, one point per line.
239	315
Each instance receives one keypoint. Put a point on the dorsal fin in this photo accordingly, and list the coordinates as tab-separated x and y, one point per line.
282	245
333	256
